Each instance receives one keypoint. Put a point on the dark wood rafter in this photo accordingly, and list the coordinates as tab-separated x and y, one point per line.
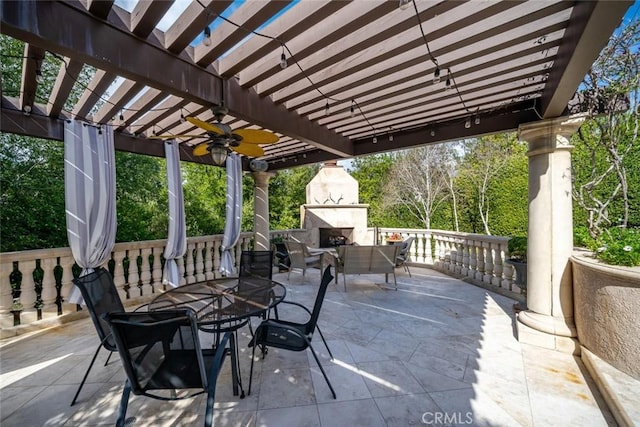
509	59
591	25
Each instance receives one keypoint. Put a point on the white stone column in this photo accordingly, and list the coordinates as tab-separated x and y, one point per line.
261	210
548	322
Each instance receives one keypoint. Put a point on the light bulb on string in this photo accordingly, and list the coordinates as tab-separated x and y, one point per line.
404	4
39	77
207	36
182	119
353	108
477	120
447	84
467	123
375	139
283	59
326	109
436	76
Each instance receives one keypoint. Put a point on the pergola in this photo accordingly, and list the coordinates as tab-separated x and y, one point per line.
510	65
371	63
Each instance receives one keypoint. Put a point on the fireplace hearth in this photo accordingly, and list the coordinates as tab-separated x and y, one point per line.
332	237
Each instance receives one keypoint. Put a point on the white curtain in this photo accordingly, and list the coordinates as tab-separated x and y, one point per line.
90	195
233	213
177	238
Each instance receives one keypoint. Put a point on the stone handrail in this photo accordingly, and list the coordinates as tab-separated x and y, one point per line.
45	276
477	256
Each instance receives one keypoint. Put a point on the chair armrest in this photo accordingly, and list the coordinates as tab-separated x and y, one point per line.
298	304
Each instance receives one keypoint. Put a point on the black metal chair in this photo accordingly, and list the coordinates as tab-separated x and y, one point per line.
256	263
101	297
403	253
160	350
293	336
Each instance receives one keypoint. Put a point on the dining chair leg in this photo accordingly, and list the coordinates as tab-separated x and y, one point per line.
108	358
322	370
86	374
235	366
124	403
253	356
324	341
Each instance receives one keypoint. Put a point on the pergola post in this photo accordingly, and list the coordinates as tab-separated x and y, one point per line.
549	321
261	210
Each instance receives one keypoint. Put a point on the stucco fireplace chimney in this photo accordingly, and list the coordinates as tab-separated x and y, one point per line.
332	214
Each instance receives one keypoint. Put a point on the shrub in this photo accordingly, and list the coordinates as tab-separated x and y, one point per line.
618	246
517	248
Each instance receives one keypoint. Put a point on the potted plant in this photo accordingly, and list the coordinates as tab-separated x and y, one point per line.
517	248
394	238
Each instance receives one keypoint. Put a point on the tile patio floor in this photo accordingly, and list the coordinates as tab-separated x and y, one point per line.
436	352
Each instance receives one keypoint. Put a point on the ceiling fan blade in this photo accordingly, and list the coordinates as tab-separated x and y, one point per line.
256	136
176	136
204	125
249	150
201	149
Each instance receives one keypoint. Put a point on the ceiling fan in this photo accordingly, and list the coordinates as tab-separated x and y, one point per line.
222	139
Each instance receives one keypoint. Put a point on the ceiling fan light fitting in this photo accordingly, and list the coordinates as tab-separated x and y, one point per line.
218	155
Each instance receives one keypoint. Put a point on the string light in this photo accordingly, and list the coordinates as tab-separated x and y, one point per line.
467	123
121	116
283	59
404	4
477	120
375	139
39	77
207	36
436	76
182	119
353	108
326	109
26	110
433	132
447	84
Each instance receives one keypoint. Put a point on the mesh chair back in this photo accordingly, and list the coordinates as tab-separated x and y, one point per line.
327	277
101	297
159	350
404	250
256	263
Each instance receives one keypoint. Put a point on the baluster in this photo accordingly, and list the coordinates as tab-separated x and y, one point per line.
119	279
189	263
199	262
135	264
156	270
498	265
28	297
15	278
488	263
208	261
480	260
126	266
181	269
57	274
49	291
145	270
428	248
459	255
468	251
473	259
66	263
38	284
216	258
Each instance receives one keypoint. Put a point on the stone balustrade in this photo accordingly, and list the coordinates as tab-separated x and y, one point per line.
476	256
35	284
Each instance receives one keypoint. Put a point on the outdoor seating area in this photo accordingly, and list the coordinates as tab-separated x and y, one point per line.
438	347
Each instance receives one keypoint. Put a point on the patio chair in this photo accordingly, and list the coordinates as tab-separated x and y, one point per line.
160	350
293	336
101	296
300	258
281	256
256	263
401	259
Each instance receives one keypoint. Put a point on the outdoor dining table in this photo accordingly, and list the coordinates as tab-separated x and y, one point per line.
224	304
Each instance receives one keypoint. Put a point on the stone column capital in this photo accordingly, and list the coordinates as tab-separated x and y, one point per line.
549	135
261	179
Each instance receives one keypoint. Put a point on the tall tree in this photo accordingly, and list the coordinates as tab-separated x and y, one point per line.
418	181
603	144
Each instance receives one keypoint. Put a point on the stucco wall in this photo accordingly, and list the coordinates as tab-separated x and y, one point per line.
607	312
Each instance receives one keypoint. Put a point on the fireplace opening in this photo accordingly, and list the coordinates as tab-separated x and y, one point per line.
332	237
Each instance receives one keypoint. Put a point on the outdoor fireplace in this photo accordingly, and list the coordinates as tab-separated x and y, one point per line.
332	237
332	215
